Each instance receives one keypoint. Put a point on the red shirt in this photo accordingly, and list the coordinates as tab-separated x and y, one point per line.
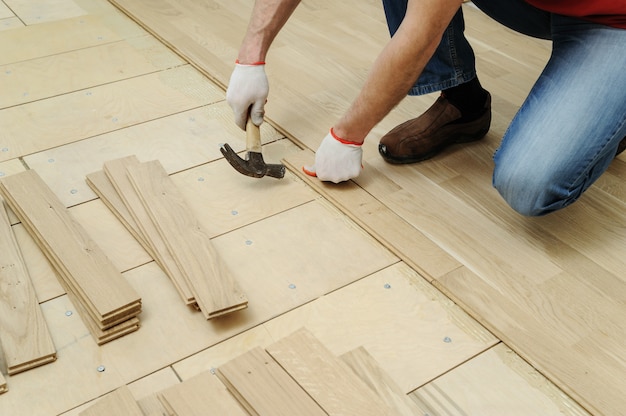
606	12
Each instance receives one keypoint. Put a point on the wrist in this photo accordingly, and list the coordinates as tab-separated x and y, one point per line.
342	137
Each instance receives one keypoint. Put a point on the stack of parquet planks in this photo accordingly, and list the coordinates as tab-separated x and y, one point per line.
297	375
106	302
24	334
149	204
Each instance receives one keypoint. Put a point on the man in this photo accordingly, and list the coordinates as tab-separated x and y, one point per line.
564	136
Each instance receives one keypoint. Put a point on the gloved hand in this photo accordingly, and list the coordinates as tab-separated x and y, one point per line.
248	86
336	160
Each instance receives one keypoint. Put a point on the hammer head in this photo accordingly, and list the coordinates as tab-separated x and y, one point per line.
253	165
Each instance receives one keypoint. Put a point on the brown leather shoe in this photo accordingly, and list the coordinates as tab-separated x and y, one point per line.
423	137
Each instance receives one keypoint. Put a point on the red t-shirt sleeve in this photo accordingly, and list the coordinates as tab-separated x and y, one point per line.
607	12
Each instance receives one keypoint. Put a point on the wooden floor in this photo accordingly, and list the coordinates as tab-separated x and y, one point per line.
469	308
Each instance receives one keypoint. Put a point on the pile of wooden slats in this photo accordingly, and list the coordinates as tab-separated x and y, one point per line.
106	302
149	204
24	334
297	375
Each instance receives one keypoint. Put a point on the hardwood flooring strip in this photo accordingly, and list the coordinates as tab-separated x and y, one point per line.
264	388
24	333
115	171
86	266
104	189
200	395
327	379
366	367
214	287
118	402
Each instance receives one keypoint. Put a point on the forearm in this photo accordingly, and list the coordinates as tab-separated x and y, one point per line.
268	18
397	67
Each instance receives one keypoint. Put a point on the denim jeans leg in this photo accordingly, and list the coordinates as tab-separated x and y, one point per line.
567	131
453	62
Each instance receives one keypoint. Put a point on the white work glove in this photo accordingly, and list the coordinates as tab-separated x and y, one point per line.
248	87
336	160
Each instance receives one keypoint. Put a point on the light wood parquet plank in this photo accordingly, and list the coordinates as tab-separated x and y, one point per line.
193	397
25	338
118	402
264	388
116	172
215	288
103	187
366	367
327	379
470	389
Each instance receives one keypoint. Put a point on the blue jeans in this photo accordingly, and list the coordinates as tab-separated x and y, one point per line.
567	131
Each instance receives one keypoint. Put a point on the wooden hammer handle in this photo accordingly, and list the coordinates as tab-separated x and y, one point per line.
253	137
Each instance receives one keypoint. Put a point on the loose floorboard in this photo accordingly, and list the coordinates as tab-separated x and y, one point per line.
369	264
24	335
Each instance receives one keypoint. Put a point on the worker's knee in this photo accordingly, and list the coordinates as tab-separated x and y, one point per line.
532	192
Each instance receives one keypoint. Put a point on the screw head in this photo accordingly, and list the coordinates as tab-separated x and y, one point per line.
100	368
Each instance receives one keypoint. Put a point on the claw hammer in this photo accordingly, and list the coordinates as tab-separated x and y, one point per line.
253	165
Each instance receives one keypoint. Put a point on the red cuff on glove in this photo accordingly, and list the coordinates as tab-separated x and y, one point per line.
340	140
253	63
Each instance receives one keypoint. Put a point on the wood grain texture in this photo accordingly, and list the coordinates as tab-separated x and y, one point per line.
495	382
366	367
116	172
85	269
327	379
118	402
214	287
195	396
103	187
24	334
264	388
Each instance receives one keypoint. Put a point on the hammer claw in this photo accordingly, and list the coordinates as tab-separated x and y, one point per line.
253	165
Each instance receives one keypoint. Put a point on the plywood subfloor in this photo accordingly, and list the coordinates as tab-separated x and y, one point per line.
551	289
